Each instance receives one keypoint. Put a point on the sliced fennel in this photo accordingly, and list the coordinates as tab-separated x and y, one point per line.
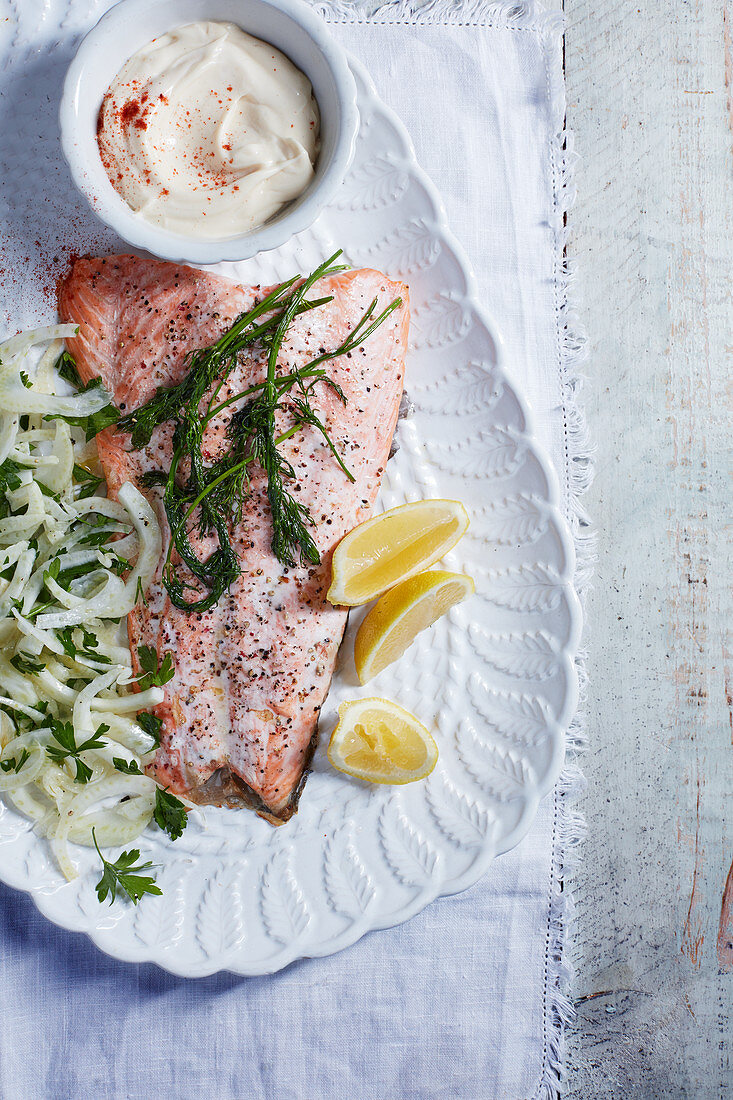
72	565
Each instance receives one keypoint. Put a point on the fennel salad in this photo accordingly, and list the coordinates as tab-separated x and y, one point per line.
76	726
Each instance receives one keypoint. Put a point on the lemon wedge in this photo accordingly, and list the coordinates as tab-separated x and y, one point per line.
399	616
380	553
379	741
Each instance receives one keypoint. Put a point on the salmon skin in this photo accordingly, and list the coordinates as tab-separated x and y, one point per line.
240	715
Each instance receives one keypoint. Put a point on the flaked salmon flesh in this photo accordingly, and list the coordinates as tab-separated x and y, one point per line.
240	715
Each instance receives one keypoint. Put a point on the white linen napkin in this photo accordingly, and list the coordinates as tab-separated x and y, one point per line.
465	1001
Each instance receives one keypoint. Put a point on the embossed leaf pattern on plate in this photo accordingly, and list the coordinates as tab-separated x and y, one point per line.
489	680
412	247
219	922
515	520
441	321
526	588
159	920
459	816
284	911
488	453
470	389
530	655
409	854
500	772
349	887
374	184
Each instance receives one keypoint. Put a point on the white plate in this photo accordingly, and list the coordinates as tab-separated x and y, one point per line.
495	679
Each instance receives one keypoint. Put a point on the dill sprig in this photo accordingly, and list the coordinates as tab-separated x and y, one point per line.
210	498
209	365
290	518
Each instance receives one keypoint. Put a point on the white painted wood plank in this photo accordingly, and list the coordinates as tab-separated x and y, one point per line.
649	98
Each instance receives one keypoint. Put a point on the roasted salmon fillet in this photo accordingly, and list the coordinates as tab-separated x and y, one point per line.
240	715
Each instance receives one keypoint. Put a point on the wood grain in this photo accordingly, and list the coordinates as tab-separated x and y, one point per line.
649	99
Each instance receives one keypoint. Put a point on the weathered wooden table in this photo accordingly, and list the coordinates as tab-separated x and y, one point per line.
649	99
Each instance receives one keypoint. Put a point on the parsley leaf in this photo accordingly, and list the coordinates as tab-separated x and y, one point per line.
170	813
48	492
66	367
97	538
90	641
9	478
153	675
124	876
67	641
151	724
128	767
120	565
67	748
89	482
88	647
22	663
53	571
13	765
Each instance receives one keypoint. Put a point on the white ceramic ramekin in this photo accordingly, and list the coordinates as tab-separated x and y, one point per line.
292	27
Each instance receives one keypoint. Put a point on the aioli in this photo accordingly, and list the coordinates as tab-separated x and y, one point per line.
209	132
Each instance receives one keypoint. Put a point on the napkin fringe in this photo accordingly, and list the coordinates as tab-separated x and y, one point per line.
579	453
513	14
572	352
